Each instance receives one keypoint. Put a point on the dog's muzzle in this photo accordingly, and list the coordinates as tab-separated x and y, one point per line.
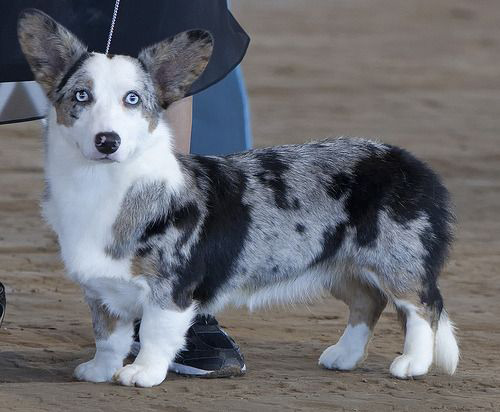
107	142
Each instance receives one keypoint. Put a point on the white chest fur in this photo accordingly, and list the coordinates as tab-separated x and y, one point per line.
82	207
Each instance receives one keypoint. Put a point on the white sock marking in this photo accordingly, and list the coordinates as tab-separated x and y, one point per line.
162	335
349	351
418	347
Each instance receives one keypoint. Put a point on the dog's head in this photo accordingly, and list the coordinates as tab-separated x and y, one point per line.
108	106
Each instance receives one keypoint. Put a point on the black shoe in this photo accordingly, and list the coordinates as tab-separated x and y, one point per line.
210	352
2	303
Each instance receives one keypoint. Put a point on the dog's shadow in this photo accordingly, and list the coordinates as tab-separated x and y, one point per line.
37	366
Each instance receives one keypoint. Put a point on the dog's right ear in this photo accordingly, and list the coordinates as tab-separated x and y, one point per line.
51	49
175	63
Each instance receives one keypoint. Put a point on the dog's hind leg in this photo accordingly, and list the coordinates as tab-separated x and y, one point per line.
365	303
428	333
419	340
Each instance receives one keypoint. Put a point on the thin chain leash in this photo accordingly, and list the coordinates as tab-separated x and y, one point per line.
112	28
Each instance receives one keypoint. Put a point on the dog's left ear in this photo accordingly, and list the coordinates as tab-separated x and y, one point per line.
175	63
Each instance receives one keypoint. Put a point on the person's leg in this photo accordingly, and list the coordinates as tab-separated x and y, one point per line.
179	117
221	117
215	121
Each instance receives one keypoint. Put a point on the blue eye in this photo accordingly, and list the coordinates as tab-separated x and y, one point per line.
82	96
132	98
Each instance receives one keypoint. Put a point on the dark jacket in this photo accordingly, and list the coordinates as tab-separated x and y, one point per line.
138	24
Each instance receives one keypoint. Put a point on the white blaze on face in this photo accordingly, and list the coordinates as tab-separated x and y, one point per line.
112	79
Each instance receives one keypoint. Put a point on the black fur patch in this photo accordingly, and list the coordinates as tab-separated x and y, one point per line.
332	240
272	176
72	70
144	251
223	233
300	228
371	182
156	227
186	219
296	204
338	185
186	216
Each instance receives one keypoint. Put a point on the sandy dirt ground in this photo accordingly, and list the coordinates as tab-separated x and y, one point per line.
422	74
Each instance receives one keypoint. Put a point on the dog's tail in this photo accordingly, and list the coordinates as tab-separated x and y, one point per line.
446	351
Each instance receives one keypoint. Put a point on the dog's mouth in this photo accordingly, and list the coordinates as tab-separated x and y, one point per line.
105	159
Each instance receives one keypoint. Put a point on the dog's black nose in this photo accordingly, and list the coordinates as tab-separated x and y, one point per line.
107	142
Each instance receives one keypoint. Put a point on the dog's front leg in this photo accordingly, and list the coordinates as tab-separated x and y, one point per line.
113	338
162	335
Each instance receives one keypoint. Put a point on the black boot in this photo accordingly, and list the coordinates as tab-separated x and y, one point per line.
210	352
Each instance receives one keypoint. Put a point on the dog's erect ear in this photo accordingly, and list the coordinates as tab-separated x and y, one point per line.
175	63
51	49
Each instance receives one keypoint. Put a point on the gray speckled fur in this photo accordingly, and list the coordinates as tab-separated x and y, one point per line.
103	321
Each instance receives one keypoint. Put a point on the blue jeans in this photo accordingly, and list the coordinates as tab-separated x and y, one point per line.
221	117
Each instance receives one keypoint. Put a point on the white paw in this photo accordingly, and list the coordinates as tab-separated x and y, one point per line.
93	371
408	366
140	375
340	357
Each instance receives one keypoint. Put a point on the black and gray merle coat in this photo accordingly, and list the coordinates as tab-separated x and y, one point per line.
247	221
